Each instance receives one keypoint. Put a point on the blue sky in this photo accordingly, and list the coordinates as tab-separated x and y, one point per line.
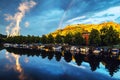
46	16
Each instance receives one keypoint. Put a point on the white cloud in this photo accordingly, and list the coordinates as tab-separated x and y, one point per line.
114	11
13	28
75	19
110	14
8	17
27	24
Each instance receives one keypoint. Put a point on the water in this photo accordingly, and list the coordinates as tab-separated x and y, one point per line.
34	65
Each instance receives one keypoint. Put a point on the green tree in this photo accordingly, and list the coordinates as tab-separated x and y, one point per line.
94	38
44	39
50	38
103	32
111	36
58	39
68	38
2	38
22	39
78	39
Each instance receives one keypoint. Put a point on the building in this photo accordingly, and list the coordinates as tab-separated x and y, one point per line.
85	35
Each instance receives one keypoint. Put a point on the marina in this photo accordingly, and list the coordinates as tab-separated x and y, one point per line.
101	52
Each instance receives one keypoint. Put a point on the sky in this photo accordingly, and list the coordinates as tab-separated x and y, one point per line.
38	17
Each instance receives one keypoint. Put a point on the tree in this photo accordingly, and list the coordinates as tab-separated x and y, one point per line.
50	38
1	40
68	38
103	31
58	39
44	39
94	38
111	36
78	39
2	37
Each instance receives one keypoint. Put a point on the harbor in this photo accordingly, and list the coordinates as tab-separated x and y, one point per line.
72	49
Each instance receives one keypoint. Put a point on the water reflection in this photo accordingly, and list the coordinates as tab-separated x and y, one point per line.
112	65
67	56
94	62
79	58
58	56
17	67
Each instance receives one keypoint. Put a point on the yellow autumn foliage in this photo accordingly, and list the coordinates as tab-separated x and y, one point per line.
74	28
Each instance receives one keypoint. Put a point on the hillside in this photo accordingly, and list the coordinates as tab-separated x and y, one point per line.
85	27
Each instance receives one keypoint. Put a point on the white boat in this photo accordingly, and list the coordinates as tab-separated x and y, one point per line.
74	50
84	50
96	51
15	45
57	48
115	51
7	45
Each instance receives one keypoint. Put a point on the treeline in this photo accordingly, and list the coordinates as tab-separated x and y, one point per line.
22	39
19	39
2	37
75	39
107	36
71	39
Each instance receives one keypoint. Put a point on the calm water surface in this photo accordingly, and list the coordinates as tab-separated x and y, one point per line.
42	67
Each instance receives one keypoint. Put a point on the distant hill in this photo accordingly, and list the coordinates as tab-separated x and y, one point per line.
85	27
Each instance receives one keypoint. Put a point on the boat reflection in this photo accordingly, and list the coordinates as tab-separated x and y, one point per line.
111	64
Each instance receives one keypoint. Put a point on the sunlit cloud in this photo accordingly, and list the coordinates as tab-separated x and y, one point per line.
13	28
17	66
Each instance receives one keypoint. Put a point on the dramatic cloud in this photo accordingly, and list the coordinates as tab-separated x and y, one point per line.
52	14
110	14
13	28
